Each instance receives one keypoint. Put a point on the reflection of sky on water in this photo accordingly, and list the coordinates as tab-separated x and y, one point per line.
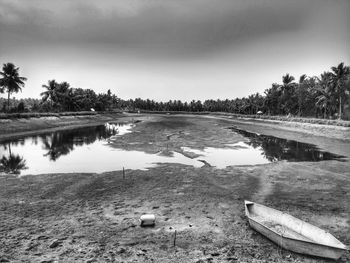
87	150
96	157
84	150
237	154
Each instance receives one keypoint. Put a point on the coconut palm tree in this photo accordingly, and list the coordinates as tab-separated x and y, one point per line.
50	93
287	80
340	75
273	99
288	101
10	81
301	93
64	95
325	99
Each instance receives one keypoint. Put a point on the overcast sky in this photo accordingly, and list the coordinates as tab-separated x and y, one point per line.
172	49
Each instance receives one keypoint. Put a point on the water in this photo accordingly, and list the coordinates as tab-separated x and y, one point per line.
89	150
81	150
277	149
261	149
233	154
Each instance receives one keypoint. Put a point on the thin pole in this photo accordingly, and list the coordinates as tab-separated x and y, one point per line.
175	239
123	173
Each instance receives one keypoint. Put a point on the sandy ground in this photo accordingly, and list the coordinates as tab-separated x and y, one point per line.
94	217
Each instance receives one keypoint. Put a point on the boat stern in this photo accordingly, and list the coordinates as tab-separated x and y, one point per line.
247	204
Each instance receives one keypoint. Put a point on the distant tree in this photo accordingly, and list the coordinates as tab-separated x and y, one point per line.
273	99
21	107
323	102
256	103
288	100
325	99
340	77
308	96
50	93
302	93
65	100
83	99
10	81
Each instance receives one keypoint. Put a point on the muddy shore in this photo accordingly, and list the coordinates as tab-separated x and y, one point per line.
19	127
94	217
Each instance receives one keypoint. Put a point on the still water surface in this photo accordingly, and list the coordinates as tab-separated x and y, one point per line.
88	150
277	149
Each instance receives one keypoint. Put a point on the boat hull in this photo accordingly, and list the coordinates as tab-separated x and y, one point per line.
292	233
297	246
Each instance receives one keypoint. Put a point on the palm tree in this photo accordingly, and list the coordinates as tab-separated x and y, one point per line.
301	92
339	79
273	99
324	101
63	92
50	93
287	88
10	81
325	94
308	94
287	80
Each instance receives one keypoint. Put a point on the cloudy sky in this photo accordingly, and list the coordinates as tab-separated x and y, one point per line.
172	49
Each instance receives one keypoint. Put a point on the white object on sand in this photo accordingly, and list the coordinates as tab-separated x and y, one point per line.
148	220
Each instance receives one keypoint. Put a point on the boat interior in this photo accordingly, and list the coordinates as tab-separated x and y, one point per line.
290	227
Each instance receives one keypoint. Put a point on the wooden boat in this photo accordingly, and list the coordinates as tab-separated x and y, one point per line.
292	233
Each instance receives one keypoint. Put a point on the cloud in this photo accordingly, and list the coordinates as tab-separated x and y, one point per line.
172	48
151	27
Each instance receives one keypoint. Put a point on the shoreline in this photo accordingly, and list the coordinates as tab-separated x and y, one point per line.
311	120
320	130
14	128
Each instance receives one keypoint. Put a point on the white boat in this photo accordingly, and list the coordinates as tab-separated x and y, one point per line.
292	233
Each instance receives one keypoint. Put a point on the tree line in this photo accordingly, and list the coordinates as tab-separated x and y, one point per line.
324	96
56	97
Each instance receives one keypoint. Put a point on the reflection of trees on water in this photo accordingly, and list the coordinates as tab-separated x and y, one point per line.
56	144
61	143
13	163
275	149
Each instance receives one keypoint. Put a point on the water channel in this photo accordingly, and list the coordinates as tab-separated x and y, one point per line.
88	150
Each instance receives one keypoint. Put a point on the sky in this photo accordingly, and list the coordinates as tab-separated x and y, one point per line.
172	49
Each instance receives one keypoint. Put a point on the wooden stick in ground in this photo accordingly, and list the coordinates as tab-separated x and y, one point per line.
175	239
123	173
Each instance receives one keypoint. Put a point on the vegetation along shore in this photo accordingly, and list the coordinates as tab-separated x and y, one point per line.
325	96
